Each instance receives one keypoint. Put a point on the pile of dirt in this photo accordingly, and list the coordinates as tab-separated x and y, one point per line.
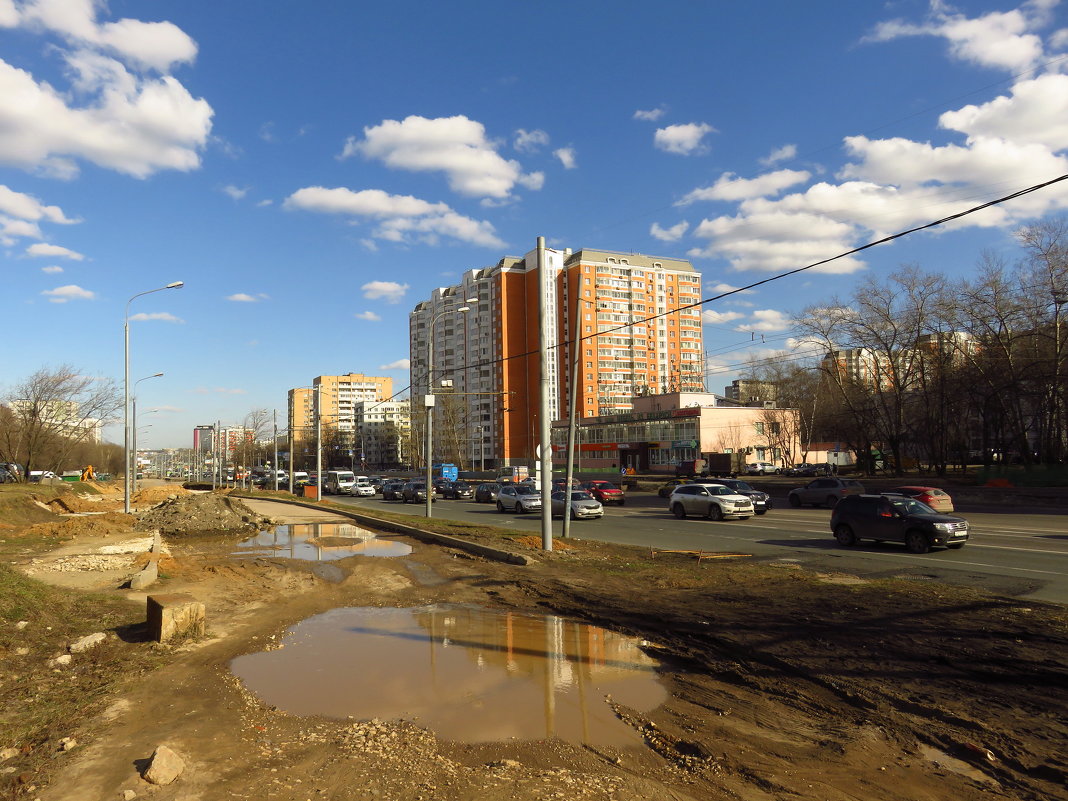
94	525
72	502
147	496
206	513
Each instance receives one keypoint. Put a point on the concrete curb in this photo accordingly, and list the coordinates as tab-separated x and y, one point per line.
486	551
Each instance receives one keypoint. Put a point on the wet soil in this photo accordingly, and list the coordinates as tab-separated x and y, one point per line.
781	684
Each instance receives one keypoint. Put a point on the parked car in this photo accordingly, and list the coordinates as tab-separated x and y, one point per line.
457	490
605	491
518	498
806	469
824	491
578	503
896	518
761	500
937	499
415	492
762	469
487	493
391	489
669	486
6	476
713	501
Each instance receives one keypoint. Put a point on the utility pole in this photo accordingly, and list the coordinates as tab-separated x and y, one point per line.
545	451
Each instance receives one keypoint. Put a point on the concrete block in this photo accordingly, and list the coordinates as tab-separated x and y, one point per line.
175	614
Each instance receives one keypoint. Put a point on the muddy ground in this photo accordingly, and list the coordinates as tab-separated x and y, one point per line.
781	684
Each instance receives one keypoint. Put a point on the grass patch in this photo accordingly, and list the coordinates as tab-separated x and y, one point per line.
41	703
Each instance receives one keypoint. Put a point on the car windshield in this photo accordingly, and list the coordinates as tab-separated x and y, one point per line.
605	485
718	490
581	496
525	489
910	506
739	485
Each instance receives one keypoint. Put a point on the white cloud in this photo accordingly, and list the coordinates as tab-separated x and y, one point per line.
243	297
456	146
672	234
236	192
684	140
69	292
367	315
11	230
652	115
728	187
400	364
766	320
531	180
711	317
530	141
1035	113
43	249
566	155
998	39
52	270
784	153
390	291
27	207
722	287
263	203
401	217
125	123
166	317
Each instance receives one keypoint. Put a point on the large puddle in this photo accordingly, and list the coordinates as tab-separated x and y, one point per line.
320	542
465	673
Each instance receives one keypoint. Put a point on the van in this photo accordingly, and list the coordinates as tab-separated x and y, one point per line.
339	482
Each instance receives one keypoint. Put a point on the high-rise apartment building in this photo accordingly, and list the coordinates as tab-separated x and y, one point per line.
383	432
340	395
599	304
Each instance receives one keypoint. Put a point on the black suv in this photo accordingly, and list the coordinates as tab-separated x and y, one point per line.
895	518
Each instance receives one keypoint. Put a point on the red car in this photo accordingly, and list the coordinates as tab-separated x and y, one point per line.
605	491
937	499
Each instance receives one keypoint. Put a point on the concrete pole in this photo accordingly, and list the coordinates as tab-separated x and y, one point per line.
126	410
276	450
319	443
544	423
576	353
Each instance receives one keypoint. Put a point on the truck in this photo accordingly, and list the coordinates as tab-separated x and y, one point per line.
720	465
445	472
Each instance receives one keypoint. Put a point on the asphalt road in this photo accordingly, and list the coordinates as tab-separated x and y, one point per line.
1016	552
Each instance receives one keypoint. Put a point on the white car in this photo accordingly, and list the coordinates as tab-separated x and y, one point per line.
362	489
761	469
714	501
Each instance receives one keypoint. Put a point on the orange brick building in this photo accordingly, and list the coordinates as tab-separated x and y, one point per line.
489	355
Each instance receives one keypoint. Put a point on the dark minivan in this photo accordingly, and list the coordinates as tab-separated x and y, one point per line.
895	518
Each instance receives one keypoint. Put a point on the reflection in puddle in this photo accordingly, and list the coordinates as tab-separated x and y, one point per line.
465	673
319	542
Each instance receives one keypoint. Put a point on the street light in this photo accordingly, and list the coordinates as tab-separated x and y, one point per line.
133	418
126	388
428	401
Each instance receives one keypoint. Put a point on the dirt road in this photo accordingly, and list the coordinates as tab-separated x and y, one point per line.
780	685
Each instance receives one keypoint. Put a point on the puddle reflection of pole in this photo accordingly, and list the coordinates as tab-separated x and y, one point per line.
551	630
580	669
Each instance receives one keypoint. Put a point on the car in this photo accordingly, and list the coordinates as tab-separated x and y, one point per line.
761	500
806	469
713	501
761	469
487	493
669	486
362	488
896	518
415	492
826	491
937	499
6	476
518	498
456	490
391	489
605	491
560	483
578	503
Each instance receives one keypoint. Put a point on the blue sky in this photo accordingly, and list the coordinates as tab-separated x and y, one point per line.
311	171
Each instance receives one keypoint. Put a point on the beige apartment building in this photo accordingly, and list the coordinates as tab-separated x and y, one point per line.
630	320
341	394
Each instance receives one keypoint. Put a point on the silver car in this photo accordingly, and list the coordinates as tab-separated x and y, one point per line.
583	505
518	498
713	501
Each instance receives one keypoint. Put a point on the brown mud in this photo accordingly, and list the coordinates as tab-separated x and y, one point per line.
781	684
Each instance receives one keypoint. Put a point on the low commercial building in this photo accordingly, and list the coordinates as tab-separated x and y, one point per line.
665	430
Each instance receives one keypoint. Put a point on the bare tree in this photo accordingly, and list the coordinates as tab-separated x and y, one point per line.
50	413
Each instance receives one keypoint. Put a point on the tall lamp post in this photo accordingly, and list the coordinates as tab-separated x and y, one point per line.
126	387
133	418
428	400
